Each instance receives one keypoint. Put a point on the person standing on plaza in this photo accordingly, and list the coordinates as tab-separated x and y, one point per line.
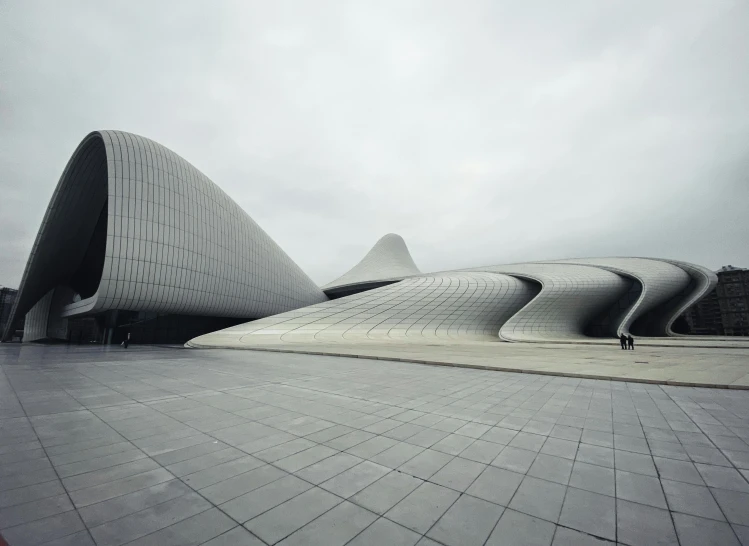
630	342
127	341
623	341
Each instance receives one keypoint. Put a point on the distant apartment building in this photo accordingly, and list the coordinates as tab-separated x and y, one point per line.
725	311
7	297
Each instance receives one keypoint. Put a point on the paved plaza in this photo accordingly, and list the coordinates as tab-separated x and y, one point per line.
172	446
690	362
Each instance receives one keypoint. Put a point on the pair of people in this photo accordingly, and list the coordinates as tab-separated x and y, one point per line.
628	342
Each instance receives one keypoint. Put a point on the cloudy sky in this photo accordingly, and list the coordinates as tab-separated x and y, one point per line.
482	132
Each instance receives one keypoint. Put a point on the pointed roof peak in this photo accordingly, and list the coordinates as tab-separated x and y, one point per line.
388	259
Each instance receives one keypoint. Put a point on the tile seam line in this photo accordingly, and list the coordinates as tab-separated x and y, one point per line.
495	368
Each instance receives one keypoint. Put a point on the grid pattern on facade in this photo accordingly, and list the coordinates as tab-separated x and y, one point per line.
175	242
444	307
571	296
660	282
179	244
388	259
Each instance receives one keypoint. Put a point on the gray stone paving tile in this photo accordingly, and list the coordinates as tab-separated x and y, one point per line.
16	456
639	488
327	468
384	531
722	477
382	426
30	493
208	460
355	479
706	455
735	505
597	438
162	444
108	510
496	485
373	446
560	448
590	477
305	458
98	463
264	498
425	464
634	462
397	455
386	492
482	452
740	459
349	440
329	433
696	531
630	443
539	498
473	430
192	531
639	524
17	481
284	450
453	444
517	460
554	469
525	440
115	488
44	530
742	532
515	528
449	424
458	474
281	521
107	475
34	510
668	450
695	500
467	522
680	471
236	486
334	528
423	507
191	452
145	522
427	437
570	537
590	513
24	467
499	435
266	442
238	536
81	538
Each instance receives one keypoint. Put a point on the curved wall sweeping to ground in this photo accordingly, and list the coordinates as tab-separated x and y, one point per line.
133	226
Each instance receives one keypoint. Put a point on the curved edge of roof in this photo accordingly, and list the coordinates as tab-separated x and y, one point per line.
388	260
570	297
704	281
660	281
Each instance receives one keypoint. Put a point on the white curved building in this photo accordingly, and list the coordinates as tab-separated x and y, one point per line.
388	261
564	300
133	227
441	307
137	239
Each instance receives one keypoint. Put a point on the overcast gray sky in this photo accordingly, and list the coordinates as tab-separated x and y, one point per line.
482	132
